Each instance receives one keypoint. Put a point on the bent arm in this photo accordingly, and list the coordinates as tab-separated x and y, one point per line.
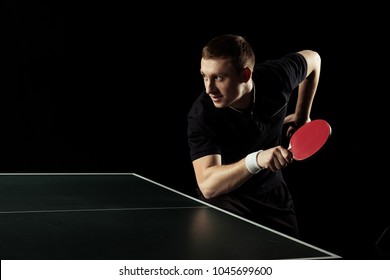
307	88
214	178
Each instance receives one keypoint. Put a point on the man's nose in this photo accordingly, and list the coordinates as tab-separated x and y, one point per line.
209	86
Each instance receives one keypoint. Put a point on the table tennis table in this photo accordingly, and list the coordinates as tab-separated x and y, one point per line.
94	216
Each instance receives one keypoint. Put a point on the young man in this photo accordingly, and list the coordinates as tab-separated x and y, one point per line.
235	128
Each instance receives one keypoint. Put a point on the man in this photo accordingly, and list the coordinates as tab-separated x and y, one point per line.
235	128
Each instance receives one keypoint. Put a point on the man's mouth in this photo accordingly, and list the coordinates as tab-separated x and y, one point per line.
216	98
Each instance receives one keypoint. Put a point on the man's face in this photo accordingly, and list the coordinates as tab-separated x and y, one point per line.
221	81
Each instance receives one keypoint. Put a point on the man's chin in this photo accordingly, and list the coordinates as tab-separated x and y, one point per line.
219	105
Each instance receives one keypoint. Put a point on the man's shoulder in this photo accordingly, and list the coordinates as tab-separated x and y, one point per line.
290	67
272	63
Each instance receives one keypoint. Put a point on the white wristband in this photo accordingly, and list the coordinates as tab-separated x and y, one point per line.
251	163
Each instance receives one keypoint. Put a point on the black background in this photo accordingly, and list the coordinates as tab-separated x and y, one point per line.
93	87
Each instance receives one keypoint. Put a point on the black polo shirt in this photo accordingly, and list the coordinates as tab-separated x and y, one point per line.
234	135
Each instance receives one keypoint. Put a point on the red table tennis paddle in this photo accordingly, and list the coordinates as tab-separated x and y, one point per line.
309	139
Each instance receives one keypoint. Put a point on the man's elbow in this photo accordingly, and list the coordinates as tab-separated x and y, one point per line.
207	192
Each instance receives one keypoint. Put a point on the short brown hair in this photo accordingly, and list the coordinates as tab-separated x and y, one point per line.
233	47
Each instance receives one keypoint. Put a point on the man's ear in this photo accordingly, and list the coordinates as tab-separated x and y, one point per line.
246	74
